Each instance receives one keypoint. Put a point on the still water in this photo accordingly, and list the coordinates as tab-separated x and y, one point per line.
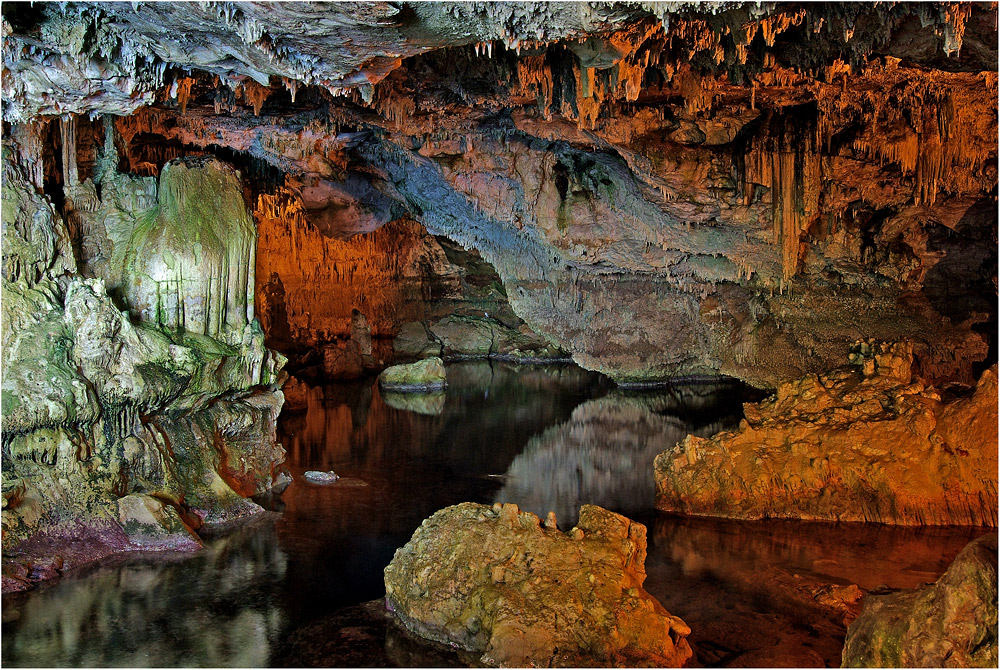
293	587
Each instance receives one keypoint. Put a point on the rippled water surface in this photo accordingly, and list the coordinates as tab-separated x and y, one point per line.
291	587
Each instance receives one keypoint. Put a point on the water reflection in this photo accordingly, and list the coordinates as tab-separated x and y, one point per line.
604	454
749	589
288	589
216	608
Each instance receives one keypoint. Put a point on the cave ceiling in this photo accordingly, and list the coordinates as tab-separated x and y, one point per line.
747	172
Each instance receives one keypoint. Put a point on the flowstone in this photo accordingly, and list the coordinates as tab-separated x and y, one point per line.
124	434
190	263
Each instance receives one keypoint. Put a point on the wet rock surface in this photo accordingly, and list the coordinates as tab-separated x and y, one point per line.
420	377
495	581
865	443
951	623
318	477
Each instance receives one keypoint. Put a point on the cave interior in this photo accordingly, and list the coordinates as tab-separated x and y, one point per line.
740	259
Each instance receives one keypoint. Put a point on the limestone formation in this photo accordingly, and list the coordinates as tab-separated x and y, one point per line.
493	581
457	337
123	433
420	377
664	190
149	524
949	624
870	442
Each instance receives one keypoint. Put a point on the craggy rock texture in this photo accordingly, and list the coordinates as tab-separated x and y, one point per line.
664	190
123	433
422	376
949	624
492	580
458	336
865	443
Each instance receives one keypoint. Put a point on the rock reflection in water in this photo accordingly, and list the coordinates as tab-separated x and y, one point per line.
211	609
604	454
415	463
754	592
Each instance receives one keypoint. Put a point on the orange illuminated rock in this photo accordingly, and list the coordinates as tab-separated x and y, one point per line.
866	444
494	581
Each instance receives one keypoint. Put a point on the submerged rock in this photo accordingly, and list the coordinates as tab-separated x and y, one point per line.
492	580
425	375
867	444
951	623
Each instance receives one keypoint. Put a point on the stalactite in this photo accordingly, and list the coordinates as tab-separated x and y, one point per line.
68	127
790	166
253	93
184	92
29	144
292	85
956	16
535	78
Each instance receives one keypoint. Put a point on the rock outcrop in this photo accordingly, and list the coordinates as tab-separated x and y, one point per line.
870	442
949	624
473	336
122	433
494	581
420	377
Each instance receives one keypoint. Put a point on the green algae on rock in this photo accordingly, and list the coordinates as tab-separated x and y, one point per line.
106	415
495	582
422	376
949	624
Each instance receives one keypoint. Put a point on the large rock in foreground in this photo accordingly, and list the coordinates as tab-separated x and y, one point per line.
493	580
950	624
866	444
425	375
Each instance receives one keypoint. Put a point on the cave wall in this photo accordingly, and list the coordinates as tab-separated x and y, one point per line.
694	191
130	416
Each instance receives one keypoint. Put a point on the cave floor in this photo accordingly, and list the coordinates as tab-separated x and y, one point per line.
300	584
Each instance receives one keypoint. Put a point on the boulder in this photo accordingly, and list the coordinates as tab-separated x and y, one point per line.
496	582
318	477
149	524
868	443
422	376
951	623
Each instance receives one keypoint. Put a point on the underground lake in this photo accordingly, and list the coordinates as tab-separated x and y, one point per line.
295	586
